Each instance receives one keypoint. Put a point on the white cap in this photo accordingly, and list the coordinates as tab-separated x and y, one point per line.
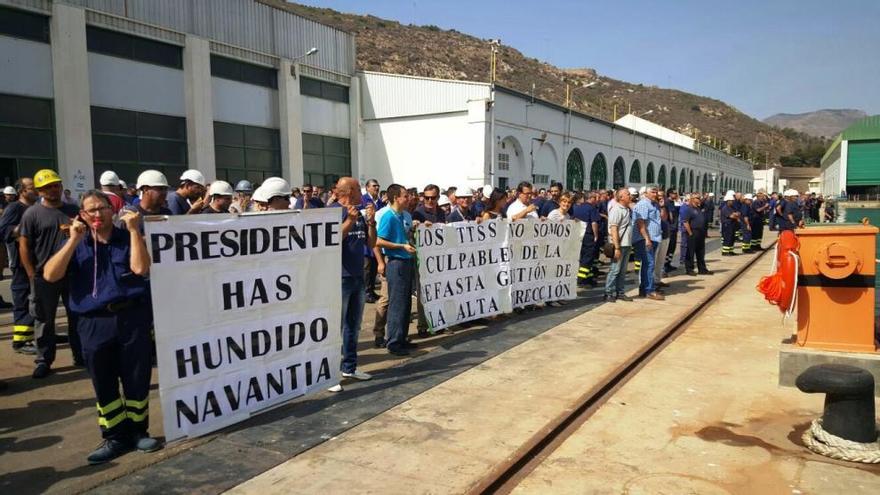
643	189
193	175
633	191
464	190
275	186
443	201
487	190
9	190
220	188
109	178
749	196
152	178
790	192
729	196
729	192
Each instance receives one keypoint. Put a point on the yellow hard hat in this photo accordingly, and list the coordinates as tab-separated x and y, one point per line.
45	177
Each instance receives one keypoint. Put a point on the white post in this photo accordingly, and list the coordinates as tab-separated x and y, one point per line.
199	107
354	115
70	79
290	120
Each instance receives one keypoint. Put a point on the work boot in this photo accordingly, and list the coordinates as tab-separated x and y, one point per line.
25	348
107	451
42	371
145	443
379	342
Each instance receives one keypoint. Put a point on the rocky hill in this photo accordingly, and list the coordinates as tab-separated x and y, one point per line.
826	123
389	46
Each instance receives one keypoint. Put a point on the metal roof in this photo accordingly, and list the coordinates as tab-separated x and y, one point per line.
863	130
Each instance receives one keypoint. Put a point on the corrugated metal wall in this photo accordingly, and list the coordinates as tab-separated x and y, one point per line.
391	95
243	23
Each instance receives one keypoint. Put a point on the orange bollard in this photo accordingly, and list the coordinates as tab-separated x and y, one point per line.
835	294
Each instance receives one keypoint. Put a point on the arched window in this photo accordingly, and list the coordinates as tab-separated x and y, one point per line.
705	183
598	172
619	173
635	173
691	181
673	179
649	173
574	171
661	176
682	180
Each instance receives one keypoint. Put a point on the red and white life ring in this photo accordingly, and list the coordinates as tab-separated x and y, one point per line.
780	288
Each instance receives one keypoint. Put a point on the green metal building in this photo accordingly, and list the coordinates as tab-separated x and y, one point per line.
851	165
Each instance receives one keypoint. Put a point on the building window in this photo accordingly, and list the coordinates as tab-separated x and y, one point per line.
236	70
246	152
21	24
323	89
542	179
503	183
325	159
128	142
133	47
27	137
503	161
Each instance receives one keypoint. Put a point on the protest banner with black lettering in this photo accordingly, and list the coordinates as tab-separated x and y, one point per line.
463	271
545	260
246	313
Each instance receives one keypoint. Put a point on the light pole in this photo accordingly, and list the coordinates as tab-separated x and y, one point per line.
313	50
495	44
570	92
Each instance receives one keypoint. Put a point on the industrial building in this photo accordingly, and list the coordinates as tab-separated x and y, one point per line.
851	166
420	130
230	87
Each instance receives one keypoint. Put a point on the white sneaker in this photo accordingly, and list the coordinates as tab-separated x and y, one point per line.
335	388
357	375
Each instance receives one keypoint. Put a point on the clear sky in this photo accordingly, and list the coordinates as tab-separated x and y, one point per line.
763	57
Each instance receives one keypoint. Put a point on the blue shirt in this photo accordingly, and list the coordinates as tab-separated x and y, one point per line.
366	199
789	208
353	245
113	277
546	207
313	203
726	211
177	203
647	211
586	213
395	227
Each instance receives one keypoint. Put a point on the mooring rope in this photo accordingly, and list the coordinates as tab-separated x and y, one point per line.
821	442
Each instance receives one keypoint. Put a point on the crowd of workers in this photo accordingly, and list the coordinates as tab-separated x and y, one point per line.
92	256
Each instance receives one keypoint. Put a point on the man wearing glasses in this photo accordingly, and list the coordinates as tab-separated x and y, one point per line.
429	210
371	265
307	200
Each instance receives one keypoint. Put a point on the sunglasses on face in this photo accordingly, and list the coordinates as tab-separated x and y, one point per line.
430	198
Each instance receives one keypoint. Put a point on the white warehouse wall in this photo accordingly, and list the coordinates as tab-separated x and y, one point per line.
325	117
240	103
441	149
25	67
125	84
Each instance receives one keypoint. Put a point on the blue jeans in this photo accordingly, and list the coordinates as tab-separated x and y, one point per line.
646	271
353	298
399	274
614	282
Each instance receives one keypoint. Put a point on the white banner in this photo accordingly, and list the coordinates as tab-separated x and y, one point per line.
545	260
246	313
463	271
469	271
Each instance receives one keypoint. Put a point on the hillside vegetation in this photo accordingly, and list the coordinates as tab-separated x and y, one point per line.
389	46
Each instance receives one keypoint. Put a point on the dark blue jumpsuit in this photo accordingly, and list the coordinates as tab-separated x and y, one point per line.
22	321
757	218
745	212
728	229
589	214
115	318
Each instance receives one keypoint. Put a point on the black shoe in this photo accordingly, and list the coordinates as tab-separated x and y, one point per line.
691	273
609	298
706	272
109	450
379	342
42	371
661	284
79	363
624	297
409	345
423	334
398	352
669	268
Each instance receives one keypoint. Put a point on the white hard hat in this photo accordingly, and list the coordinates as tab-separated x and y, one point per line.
729	192
193	175
790	192
275	186
464	190
633	191
443	201
109	178
152	178
122	184
220	188
260	195
711	195
643	189
729	196
487	190
9	190
748	196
